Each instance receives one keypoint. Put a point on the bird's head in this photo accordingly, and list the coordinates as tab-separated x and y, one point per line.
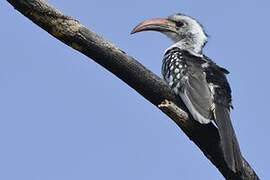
186	32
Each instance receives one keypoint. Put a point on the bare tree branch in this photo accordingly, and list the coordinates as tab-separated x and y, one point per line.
149	85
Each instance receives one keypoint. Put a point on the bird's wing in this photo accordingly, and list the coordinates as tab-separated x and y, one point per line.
196	94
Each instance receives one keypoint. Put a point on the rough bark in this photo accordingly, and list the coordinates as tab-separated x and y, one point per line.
149	85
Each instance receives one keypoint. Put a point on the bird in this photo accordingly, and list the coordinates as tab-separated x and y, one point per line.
196	79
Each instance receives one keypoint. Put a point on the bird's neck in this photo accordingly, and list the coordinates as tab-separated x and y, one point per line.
191	43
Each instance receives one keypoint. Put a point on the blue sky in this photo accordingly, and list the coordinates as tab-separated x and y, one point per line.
62	116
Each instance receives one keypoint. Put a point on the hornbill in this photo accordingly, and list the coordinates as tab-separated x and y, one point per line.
199	82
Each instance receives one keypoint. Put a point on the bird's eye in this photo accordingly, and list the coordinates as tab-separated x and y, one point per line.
179	24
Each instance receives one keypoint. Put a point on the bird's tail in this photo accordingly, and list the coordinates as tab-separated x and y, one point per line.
228	138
